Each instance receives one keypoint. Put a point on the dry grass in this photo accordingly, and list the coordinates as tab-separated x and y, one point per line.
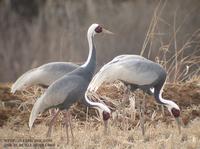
90	136
58	33
124	130
183	64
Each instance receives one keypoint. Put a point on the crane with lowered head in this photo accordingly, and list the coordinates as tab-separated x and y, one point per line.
137	72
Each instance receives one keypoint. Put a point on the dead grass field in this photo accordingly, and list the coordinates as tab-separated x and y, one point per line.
124	130
172	40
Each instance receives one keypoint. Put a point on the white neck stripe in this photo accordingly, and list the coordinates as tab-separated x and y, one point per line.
97	104
169	103
90	35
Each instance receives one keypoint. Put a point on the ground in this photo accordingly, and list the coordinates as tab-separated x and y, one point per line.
124	127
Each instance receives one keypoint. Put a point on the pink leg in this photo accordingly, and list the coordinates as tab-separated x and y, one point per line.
70	125
51	123
67	122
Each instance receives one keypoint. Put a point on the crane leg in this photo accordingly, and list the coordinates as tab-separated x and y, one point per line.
126	94
51	123
132	107
163	111
142	105
141	119
67	123
125	99
70	125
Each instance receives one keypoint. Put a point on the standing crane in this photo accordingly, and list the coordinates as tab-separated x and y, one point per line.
71	87
137	72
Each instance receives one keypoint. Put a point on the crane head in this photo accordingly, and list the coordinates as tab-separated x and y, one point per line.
173	108
106	116
175	111
96	29
100	29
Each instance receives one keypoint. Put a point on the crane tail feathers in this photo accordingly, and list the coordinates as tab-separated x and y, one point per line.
104	75
23	81
38	108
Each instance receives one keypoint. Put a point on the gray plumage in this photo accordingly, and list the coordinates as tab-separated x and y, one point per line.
138	72
44	75
61	94
135	70
72	86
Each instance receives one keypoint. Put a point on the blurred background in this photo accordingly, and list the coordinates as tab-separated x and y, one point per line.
34	32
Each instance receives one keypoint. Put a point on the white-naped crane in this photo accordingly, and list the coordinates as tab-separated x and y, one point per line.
137	72
44	75
72	87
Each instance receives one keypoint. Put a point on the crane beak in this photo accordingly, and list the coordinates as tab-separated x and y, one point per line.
106	127
179	124
107	31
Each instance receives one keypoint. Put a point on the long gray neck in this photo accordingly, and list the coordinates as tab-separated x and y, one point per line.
90	64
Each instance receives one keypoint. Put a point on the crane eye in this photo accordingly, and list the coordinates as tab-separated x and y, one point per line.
106	115
175	112
98	29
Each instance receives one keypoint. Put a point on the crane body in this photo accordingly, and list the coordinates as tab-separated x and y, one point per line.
71	87
137	72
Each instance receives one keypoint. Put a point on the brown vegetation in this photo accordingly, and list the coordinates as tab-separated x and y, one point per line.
161	131
37	32
42	31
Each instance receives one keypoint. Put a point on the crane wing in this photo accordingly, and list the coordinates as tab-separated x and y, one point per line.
53	71
56	94
24	80
133	69
43	75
